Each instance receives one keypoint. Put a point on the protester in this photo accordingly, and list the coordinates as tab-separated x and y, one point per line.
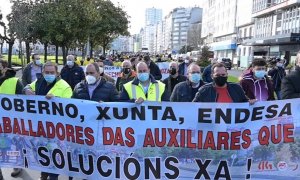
256	84
134	61
49	85
290	86
71	72
277	73
220	90
9	84
33	70
108	61
206	76
102	73
174	78
143	87
154	69
95	87
184	66
88	61
186	91
127	75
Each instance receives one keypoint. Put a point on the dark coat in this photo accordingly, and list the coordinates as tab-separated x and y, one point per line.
26	76
207	93
155	71
277	74
290	86
72	75
181	68
121	80
206	76
168	84
183	92
105	92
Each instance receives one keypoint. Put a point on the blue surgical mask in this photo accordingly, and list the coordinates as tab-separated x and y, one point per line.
70	63
195	78
260	74
49	77
38	62
143	77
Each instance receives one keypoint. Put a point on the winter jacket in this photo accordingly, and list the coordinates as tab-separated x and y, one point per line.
105	91
121	80
262	87
183	66
290	86
155	71
207	93
168	83
183	92
72	75
206	76
26	76
277	74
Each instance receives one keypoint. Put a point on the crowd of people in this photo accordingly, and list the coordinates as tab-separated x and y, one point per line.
141	81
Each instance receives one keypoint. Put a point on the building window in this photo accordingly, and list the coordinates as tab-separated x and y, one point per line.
245	32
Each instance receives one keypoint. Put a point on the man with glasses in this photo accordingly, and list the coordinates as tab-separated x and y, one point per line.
186	91
144	87
256	84
220	90
127	75
32	71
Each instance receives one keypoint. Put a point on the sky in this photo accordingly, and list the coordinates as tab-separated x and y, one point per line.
135	9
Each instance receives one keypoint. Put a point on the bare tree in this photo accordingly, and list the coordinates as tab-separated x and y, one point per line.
194	36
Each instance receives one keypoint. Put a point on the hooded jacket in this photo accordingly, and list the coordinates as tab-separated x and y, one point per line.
290	86
260	89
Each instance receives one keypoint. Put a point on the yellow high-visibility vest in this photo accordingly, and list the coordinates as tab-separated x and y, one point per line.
9	86
60	89
155	91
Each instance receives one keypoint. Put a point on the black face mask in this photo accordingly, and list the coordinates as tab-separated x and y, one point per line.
220	80
126	70
172	71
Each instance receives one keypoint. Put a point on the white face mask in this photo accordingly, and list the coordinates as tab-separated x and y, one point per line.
38	62
70	63
90	79
186	61
101	69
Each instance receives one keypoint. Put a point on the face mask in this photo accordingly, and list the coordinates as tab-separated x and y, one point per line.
279	65
38	62
126	70
70	63
49	78
195	78
90	79
143	77
172	71
220	80
186	61
101	69
260	74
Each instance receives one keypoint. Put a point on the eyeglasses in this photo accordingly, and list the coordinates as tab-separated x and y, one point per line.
195	72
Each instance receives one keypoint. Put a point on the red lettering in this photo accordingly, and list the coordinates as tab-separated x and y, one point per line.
209	141
24	131
31	131
190	144
60	131
7	125
17	129
90	140
173	140
274	139
128	134
161	143
50	130
119	137
105	132
288	131
79	135
70	133
148	141
41	130
223	138
235	140
246	137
